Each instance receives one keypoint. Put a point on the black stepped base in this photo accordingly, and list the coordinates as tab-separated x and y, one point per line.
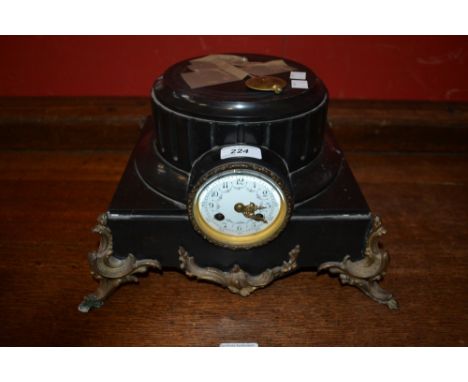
328	227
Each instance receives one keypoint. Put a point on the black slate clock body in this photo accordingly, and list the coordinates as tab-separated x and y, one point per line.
149	220
181	142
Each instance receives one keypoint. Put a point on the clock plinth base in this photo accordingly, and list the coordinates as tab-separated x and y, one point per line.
112	272
237	280
145	229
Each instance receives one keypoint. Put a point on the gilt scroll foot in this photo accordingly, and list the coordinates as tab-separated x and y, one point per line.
365	274
110	271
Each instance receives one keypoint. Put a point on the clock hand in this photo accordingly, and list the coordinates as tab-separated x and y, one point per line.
249	208
259	218
249	211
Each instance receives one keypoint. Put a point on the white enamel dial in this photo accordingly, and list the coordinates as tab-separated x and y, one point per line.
239	208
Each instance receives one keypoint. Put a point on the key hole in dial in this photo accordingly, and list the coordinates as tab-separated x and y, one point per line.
219	216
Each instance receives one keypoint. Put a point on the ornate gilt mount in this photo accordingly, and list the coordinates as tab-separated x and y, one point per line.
365	274
237	280
109	270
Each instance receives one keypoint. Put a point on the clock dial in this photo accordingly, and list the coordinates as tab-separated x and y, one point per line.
239	208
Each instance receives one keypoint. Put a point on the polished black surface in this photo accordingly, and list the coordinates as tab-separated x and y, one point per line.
181	144
234	101
328	226
190	122
174	183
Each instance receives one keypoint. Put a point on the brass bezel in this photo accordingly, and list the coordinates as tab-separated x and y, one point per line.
248	241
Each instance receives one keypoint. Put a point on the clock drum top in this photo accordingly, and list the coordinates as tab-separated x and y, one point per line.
237	179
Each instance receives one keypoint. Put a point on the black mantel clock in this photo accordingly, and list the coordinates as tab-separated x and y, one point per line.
237	179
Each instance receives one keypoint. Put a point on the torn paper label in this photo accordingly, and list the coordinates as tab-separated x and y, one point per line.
298	75
266	68
201	65
299	84
218	69
207	77
230	58
231	69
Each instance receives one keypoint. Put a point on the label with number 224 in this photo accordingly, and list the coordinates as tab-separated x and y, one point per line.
241	151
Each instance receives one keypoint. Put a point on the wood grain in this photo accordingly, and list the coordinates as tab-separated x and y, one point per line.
51	197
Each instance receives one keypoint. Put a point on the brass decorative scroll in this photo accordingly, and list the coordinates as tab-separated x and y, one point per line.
109	270
366	273
237	280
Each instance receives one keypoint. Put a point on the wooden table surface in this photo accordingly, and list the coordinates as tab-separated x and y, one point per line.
60	161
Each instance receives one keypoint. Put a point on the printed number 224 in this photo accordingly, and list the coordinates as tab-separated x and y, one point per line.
239	151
